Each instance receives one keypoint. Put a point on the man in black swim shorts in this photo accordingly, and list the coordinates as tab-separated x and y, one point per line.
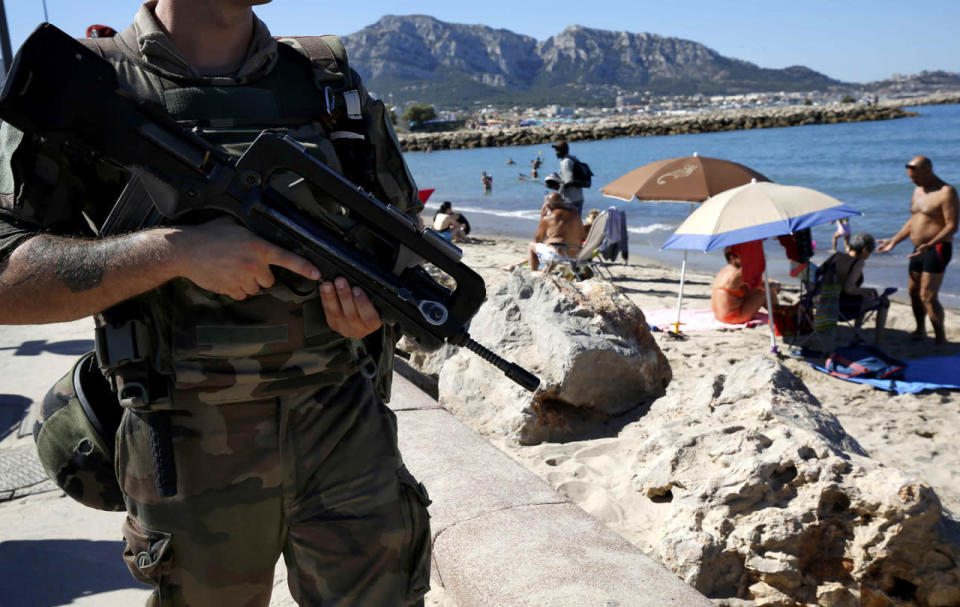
932	224
932	260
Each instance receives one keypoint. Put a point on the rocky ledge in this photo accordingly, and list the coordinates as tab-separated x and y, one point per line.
661	124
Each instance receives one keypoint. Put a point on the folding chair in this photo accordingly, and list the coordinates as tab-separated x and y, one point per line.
821	308
600	243
816	312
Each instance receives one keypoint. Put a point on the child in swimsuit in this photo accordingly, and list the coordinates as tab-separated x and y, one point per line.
843	231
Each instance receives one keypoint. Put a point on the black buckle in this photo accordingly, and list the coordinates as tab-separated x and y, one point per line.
340	103
121	344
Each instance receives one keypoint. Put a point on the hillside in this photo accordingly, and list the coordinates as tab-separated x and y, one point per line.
420	58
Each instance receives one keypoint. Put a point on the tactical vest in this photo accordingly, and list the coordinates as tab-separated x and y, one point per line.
182	337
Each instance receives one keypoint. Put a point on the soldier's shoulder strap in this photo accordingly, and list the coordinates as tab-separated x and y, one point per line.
328	57
344	95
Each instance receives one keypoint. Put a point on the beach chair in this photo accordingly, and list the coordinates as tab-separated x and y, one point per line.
821	310
589	262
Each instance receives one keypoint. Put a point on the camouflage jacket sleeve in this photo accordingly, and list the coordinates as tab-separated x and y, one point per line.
45	188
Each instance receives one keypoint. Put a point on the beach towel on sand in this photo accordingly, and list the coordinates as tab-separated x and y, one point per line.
933	373
864	362
695	320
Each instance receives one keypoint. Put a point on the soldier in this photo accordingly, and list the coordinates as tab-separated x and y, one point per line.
281	443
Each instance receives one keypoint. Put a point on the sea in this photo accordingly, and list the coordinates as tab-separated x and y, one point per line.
861	164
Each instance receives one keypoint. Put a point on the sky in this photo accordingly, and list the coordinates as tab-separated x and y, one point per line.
850	40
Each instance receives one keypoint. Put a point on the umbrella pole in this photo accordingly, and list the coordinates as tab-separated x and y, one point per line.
683	273
773	339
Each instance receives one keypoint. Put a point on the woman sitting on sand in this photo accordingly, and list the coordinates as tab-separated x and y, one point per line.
448	224
733	302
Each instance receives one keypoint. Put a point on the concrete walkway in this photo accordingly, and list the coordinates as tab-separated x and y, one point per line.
502	536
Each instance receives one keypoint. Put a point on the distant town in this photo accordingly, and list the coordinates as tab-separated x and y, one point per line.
426	118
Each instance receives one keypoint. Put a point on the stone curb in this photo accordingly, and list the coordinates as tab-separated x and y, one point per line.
503	536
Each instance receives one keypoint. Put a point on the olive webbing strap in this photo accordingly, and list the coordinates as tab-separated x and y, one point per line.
328	55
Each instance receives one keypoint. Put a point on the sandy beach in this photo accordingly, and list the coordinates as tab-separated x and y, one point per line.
908	432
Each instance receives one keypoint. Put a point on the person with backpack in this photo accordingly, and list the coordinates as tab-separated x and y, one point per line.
575	175
268	389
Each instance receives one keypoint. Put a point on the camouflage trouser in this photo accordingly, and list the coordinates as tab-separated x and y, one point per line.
316	477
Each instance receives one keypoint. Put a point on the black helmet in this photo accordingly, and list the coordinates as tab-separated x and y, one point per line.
75	436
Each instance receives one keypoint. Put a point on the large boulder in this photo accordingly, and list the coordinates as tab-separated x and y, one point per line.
588	343
755	492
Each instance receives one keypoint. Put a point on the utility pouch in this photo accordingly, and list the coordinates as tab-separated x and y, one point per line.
125	349
124	353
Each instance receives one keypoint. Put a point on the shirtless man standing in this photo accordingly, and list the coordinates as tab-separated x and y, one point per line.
932	224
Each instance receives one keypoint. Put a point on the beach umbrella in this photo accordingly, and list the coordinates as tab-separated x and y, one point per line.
755	211
689	179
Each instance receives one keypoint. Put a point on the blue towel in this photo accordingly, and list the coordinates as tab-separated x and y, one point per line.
616	241
934	373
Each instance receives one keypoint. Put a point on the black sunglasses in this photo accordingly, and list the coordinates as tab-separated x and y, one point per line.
912	166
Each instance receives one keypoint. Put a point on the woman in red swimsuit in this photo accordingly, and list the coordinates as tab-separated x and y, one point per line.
732	300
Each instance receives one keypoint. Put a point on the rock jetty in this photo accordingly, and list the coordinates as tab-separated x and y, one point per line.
660	124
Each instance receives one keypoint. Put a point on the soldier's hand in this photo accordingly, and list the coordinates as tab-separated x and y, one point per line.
224	257
348	309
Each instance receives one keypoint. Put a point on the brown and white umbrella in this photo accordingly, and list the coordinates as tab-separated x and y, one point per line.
688	179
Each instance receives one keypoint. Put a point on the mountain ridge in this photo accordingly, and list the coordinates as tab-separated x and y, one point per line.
421	58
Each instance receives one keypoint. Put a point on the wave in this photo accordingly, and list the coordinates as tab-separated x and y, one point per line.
656	227
534	215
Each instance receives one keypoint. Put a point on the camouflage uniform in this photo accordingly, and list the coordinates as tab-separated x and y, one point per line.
280	445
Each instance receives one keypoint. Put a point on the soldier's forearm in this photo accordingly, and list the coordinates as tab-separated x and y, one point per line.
53	279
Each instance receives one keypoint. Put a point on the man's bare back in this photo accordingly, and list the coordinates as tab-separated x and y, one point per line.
558	224
561	225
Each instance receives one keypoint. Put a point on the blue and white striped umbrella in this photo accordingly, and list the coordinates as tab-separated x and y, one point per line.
755	211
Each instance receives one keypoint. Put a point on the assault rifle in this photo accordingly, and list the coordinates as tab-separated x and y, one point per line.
63	91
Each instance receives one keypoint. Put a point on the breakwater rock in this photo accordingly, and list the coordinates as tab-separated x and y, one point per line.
660	124
590	346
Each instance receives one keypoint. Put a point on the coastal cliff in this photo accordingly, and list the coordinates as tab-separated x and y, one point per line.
660	124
